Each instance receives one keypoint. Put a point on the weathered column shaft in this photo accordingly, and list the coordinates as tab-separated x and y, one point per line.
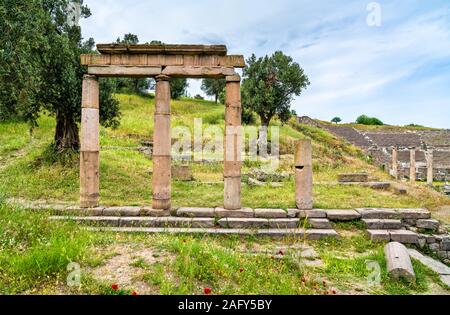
162	173
90	144
430	166
232	144
412	166
303	175
395	163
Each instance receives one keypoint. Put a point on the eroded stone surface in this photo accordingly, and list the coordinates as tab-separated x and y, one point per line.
196	212
270	213
382	224
122	211
244	223
430	224
242	213
404	237
379	235
431	263
320	223
414	214
342	215
314	213
377	213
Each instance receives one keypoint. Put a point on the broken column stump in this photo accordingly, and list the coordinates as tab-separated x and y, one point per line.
398	262
303	175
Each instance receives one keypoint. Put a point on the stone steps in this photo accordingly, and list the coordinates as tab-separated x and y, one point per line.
401	236
382	224
308	234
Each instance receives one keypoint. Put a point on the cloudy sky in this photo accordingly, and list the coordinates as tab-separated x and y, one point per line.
398	71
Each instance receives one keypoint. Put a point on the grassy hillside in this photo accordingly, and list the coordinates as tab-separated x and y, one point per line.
35	251
126	173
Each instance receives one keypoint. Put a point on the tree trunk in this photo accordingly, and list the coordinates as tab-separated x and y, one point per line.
66	134
216	98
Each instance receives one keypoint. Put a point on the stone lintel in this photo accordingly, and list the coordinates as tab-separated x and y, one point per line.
124	71
198	72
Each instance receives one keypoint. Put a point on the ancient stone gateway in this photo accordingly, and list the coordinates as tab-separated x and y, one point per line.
161	62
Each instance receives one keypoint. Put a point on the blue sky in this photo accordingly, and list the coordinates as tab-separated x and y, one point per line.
399	71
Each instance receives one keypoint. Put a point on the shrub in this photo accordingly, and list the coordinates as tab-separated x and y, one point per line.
371	121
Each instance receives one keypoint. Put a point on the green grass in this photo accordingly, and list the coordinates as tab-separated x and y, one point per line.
125	174
35	252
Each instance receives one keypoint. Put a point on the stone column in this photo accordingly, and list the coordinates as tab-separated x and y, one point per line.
429	158
303	175
412	166
232	144
395	163
90	144
162	142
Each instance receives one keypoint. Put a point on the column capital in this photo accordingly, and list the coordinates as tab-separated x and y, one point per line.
90	77
233	78
162	77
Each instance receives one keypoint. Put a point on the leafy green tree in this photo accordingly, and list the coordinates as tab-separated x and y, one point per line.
213	87
366	120
131	85
336	120
52	56
178	87
21	39
270	84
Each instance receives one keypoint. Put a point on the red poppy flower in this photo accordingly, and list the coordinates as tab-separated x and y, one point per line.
207	290
241	270
334	292
134	293
115	287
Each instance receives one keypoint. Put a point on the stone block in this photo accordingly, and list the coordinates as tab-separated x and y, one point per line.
315	213
404	236
196	212
382	224
77	211
445	244
182	172
320	224
379	235
187	222
270	213
244	223
429	224
293	213
139	222
414	214
342	215
241	213
376	213
353	178
150	212
122	211
284	223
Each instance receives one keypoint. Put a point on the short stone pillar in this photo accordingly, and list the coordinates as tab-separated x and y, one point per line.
412	166
303	175
429	158
232	144
90	144
395	163
162	145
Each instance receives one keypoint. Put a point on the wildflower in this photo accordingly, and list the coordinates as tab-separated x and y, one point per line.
115	287
134	293
207	291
